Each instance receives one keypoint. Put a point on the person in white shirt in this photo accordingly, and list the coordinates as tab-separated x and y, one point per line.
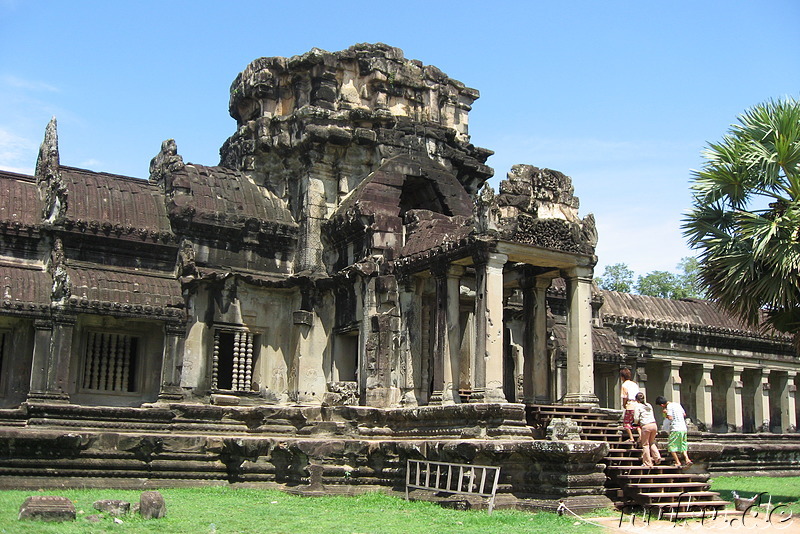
677	431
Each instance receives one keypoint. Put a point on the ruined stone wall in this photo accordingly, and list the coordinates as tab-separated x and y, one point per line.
264	313
312	127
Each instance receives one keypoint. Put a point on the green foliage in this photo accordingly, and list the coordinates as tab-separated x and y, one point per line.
663	284
617	277
224	509
745	221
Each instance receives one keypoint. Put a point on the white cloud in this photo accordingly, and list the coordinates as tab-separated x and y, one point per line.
31	85
90	163
644	241
17	153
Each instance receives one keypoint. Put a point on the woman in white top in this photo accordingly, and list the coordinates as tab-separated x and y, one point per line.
646	419
628	392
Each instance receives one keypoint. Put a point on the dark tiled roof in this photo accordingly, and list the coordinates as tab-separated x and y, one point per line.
24	288
684	311
19	200
604	341
225	197
107	201
129	292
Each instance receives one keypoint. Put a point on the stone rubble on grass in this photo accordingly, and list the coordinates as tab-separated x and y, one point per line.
151	505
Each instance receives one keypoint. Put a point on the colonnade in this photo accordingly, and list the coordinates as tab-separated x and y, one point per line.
488	349
728	397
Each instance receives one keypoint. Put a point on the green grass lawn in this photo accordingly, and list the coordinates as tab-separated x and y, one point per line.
224	509
779	490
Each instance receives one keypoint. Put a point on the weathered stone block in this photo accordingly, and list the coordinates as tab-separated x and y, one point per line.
152	505
224	400
47	508
112	506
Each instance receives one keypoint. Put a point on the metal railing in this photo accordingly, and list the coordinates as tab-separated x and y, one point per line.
463	479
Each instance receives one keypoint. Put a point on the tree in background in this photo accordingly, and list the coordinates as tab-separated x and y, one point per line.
745	222
617	277
664	284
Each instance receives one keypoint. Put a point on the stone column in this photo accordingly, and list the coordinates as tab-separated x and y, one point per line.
792	399
309	378
761	403
172	363
704	410
672	386
580	358
536	371
52	360
41	354
441	339
787	400
489	328
452	355
734	400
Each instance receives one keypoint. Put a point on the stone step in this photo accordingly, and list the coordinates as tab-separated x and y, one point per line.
667	485
680	495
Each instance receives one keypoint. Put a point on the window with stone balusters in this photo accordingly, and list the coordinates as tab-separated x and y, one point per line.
111	363
233	358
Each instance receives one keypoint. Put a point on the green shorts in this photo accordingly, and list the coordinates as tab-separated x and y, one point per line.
677	441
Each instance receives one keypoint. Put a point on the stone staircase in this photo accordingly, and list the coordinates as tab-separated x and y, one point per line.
664	491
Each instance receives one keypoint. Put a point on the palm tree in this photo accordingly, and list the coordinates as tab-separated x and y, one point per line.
745	221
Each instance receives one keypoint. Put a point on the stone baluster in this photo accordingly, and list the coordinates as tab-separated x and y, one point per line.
215	362
103	380
237	360
90	362
248	363
126	363
116	361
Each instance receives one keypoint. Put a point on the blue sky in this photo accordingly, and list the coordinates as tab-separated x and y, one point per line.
621	96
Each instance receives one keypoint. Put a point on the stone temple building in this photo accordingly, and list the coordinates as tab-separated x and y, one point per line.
345	270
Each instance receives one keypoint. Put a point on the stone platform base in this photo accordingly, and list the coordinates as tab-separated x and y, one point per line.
304	451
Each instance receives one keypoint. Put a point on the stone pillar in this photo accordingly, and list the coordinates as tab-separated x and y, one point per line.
52	360
761	403
672	386
489	328
536	371
734	400
441	340
41	354
308	375
580	358
172	363
793	405
452	356
787	401
704	410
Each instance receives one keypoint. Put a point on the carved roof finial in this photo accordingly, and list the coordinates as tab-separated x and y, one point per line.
48	161
166	162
